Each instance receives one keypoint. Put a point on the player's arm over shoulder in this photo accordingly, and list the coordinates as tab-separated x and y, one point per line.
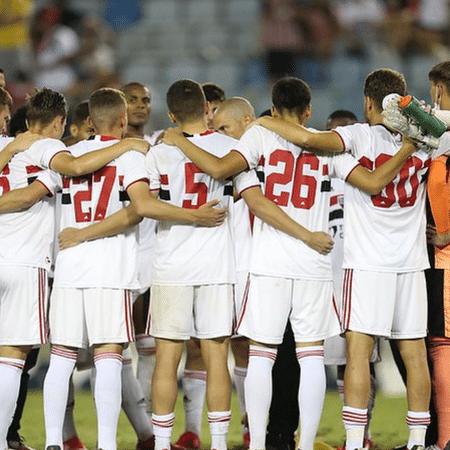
23	198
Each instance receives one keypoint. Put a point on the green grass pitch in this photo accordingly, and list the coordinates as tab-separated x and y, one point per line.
388	423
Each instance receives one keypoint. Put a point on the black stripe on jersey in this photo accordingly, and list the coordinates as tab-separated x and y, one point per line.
65	199
336	214
30	180
325	186
123	196
260	175
164	194
228	190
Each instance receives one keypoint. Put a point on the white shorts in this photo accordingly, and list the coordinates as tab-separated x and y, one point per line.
182	312
240	290
83	317
23	305
336	355
271	301
392	305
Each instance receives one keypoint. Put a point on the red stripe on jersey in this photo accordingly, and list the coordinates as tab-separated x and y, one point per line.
51	159
347	177
334	200
145	180
164	178
108	138
205	133
33	169
50	193
325	169
244	304
5	170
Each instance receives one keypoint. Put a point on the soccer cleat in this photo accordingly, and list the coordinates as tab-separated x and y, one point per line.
188	440
18	445
74	443
433	447
148	444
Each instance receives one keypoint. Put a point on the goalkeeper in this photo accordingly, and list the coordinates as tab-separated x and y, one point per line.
384	256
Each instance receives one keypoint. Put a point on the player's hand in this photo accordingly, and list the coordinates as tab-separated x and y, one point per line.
209	216
438	240
24	141
69	237
138	144
171	135
321	242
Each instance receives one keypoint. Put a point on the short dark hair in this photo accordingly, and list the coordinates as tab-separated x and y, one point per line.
106	105
291	94
186	100
5	98
342	114
1	70
440	73
44	106
213	92
80	113
18	122
382	82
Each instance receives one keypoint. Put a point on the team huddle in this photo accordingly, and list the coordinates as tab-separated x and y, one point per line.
221	231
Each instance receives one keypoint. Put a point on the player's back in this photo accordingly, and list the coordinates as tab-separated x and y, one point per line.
188	254
26	237
299	183
385	232
108	262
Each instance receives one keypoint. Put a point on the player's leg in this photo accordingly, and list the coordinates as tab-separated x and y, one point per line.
409	328
12	361
313	319
418	386
194	390
164	389
133	402
171	325
239	347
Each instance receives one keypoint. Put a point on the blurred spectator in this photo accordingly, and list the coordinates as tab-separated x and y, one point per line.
14	34
2	78
20	86
283	36
54	47
361	22
122	14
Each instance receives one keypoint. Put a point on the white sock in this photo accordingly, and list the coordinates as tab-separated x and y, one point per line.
108	397
133	402
10	373
194	387
219	422
258	392
340	386
162	427
355	420
417	423
311	392
56	389
239	381
69	428
146	348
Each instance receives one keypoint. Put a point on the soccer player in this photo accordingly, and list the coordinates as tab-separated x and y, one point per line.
438	275
91	300
298	182
384	258
80	128
192	291
215	95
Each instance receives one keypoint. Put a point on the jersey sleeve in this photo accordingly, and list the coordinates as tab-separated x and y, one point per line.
246	180
439	195
51	180
250	146
134	168
51	148
152	171
342	165
354	137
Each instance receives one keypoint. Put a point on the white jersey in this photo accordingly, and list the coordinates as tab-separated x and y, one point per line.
385	232
336	228
243	235
189	254
109	262
299	183
26	237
